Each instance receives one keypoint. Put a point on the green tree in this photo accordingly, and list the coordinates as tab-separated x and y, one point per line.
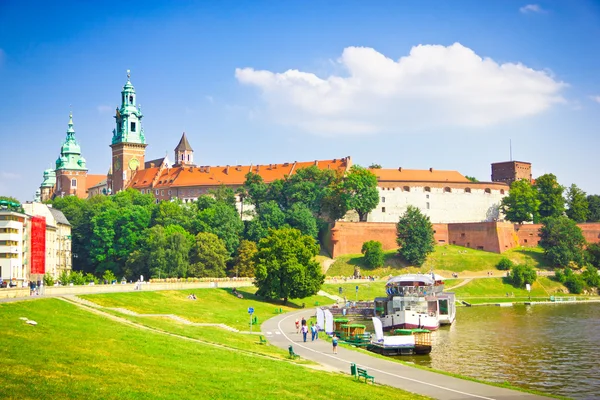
173	213
521	275
593	208
268	215
472	178
255	189
373	253
245	260
360	189
286	266
590	276
300	217
224	194
577	204
592	254
208	256
550	195
48	279
222	219
521	204
108	276
415	236
10	198
562	241
375	166
505	264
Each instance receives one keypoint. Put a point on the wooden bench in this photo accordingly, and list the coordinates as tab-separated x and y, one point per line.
362	373
292	354
262	340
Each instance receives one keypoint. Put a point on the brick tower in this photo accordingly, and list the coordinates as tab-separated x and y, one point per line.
128	141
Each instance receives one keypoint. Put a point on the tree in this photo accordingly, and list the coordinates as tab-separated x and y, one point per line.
245	260
572	281
173	213
373	253
593	208
505	264
375	166
590	276
577	204
222	219
10	198
286	266
521	204
208	256
268	215
415	236
550	195
521	275
255	188
472	178
300	217
562	241
592	254
360	189
224	194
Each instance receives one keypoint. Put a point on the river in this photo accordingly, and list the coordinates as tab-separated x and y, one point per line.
550	348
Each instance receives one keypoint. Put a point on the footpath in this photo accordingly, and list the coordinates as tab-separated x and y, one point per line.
280	331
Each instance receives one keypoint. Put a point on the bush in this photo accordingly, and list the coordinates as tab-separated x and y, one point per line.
574	283
48	280
109	276
590	277
521	275
505	264
373	253
592	254
77	278
64	278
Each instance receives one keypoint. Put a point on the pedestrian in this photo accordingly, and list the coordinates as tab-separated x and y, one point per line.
313	332
334	342
297	326
304	332
303	321
317	331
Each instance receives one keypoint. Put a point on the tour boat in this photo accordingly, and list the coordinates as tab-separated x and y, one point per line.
404	341
415	301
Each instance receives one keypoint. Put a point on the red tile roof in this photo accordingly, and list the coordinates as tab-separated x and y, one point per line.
93	180
418	175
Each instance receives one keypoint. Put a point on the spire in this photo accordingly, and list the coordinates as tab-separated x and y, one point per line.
184	145
70	153
128	117
184	154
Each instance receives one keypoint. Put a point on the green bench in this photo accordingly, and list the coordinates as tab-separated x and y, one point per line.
361	373
262	340
292	354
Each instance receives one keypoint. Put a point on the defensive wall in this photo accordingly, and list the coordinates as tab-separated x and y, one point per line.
496	237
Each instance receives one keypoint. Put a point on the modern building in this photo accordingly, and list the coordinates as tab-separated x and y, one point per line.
13	242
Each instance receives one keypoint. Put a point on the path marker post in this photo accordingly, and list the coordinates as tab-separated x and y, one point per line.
250	311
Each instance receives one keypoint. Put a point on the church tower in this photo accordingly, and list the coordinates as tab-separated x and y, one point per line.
184	154
71	172
47	186
128	141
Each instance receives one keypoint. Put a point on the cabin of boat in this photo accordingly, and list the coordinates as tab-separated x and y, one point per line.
404	342
415	301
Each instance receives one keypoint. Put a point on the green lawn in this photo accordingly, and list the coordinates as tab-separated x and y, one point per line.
74	354
444	260
213	305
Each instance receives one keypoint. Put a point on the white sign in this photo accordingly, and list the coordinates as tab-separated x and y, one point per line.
528	287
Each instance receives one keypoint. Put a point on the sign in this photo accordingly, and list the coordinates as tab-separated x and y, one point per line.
528	287
340	290
250	310
357	288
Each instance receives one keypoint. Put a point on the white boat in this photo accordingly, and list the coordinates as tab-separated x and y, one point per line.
415	301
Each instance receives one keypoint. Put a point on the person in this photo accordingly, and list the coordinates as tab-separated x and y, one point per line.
297	326
334	342
303	322
317	331
313	332
304	332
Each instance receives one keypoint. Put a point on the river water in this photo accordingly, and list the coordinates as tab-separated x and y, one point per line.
551	348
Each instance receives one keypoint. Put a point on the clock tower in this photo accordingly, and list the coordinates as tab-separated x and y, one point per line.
128	141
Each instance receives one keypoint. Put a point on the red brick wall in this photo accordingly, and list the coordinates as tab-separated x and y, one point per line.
528	234
591	232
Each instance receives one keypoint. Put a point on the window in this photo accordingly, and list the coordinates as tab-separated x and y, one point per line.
426	196
487	190
188	157
74	182
162	192
382	209
383	199
156	192
130	99
428	205
427	189
169	192
406	189
467	190
447	190
133	127
182	156
501	191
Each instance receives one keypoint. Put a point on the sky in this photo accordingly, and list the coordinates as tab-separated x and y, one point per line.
450	85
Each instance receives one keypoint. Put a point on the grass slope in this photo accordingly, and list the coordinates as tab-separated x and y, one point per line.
74	354
213	305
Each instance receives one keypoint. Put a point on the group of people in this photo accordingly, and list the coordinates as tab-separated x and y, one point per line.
192	297
302	326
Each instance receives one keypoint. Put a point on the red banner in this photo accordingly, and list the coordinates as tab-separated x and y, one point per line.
38	245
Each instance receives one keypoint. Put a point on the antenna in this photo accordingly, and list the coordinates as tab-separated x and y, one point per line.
510	147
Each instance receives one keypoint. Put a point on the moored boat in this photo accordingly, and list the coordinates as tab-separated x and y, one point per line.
403	342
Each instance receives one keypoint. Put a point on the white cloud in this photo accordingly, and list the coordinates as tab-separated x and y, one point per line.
104	109
433	86
595	98
532	8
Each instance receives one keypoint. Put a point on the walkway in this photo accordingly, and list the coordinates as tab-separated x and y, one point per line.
280	331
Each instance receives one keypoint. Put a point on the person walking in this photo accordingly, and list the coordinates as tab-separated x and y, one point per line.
303	321
334	342
304	332
297	326
313	331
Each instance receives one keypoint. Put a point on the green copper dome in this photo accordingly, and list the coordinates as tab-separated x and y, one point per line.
49	178
129	117
70	153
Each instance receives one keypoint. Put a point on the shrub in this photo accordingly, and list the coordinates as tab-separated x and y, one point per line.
590	277
574	283
592	254
48	280
109	276
373	253
521	275
77	278
505	264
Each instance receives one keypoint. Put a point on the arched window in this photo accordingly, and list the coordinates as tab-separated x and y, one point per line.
501	191
130	99
467	190
182	157
188	157
406	189
447	190
74	182
488	190
427	189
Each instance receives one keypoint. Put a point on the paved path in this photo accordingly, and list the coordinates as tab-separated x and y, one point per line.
280	331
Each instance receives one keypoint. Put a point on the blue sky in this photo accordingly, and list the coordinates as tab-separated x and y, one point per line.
416	84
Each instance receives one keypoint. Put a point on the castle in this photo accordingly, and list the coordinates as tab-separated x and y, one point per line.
445	196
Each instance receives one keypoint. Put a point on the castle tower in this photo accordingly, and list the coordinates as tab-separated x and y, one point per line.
71	172
47	186
128	141
510	171
184	154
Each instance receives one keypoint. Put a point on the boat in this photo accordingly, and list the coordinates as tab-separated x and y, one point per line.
415	301
403	342
354	334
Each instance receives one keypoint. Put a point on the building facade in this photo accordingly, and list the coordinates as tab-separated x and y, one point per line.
13	243
510	171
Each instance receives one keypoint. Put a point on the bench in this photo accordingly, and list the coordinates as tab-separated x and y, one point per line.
262	340
292	354
362	373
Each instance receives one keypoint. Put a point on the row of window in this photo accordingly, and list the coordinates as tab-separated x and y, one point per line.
446	189
8	218
9	255
9	243
9	230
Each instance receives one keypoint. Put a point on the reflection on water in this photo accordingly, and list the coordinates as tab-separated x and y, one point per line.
550	348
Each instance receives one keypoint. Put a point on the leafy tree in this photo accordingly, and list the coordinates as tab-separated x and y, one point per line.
521	275
573	282
285	266
300	217
245	260
505	264
577	204
550	195
222	219
48	279
472	178
373	253
173	213
208	256
360	189
590	276
593	208
223	194
10	198
562	241
521	204
255	188
268	216
109	276
415	236
375	166
592	254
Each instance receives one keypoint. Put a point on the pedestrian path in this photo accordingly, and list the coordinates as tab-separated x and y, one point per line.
280	331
